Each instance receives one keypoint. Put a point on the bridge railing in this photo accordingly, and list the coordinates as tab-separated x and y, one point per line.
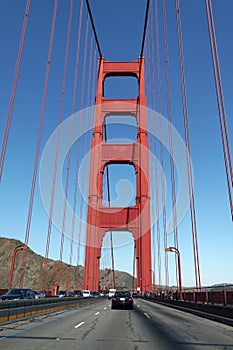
215	295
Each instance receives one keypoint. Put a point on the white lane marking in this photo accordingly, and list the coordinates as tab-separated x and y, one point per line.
97	313
138	305
105	308
78	325
146	315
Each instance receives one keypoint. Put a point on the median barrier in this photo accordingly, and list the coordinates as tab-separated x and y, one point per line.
17	309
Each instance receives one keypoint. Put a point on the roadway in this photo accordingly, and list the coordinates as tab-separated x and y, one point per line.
96	327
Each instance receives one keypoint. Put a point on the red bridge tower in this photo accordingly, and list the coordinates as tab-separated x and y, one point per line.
101	218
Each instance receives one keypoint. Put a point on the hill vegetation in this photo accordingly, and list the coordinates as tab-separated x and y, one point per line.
35	266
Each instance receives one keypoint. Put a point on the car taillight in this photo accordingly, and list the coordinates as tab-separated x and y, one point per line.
113	299
130	299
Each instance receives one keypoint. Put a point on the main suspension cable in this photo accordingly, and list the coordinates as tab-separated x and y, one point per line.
93	28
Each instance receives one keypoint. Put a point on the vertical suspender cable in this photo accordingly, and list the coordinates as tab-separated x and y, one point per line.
161	133
72	237
39	141
78	149
187	140
14	87
78	145
68	167
139	273
57	147
220	102
109	204
168	97
73	108
151	101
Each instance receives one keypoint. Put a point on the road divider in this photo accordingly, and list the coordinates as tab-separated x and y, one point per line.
18	309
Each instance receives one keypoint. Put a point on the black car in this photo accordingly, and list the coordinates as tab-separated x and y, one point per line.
39	294
122	299
77	293
18	293
63	294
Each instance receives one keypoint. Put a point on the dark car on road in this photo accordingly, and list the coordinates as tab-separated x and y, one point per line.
63	294
77	293
18	293
39	294
122	299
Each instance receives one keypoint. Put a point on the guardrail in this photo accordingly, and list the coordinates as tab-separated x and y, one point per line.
17	309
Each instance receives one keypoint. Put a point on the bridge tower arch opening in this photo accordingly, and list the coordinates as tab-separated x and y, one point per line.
119	185
121	245
134	218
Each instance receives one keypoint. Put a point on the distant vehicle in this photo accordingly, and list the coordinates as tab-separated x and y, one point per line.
39	294
122	299
135	295
111	292
77	294
17	294
86	293
63	294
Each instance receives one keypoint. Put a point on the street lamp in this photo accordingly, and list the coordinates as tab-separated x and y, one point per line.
143	284
20	247
176	251
153	281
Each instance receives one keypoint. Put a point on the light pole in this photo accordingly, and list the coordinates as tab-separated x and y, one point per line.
153	281
20	247
176	251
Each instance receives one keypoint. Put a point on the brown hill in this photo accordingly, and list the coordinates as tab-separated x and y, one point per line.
34	270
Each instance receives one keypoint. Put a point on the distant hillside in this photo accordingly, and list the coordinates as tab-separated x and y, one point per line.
34	270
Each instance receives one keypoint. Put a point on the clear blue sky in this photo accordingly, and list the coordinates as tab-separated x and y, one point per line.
119	26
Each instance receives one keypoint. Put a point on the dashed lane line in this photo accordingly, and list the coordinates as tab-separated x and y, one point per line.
79	325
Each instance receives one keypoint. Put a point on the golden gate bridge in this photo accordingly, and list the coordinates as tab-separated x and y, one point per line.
85	210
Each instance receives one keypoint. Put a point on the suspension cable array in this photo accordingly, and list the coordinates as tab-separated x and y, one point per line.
36	161
187	140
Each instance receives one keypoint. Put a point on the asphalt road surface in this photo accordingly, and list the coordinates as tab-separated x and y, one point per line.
96	327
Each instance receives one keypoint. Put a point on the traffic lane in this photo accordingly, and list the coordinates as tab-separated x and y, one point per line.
148	326
6	329
48	330
95	327
188	330
128	330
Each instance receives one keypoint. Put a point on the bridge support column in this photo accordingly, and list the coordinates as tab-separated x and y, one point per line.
135	219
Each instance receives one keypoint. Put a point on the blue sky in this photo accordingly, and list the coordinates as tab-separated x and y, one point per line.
119	26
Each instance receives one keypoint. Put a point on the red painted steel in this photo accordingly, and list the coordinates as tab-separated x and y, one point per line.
135	219
20	247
